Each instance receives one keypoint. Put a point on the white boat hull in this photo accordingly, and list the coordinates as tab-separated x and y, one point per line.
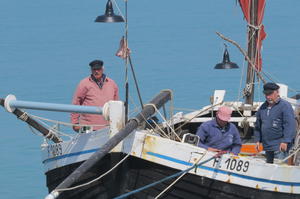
242	173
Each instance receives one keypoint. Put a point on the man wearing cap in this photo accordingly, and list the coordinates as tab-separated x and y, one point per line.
94	90
275	125
219	134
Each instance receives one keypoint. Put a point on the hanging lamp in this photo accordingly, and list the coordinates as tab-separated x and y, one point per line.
226	63
109	16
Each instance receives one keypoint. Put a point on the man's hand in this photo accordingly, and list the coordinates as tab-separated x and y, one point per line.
257	146
213	149
283	147
76	128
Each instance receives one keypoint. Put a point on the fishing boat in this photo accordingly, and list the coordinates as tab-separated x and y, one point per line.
140	157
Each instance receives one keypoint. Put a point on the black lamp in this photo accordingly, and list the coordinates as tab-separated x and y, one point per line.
109	16
226	64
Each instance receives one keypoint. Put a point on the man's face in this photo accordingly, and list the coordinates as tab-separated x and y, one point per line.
271	98
97	72
221	122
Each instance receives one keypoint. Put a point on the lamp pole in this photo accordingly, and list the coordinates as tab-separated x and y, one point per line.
126	64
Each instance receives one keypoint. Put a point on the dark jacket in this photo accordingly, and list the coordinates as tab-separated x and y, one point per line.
275	125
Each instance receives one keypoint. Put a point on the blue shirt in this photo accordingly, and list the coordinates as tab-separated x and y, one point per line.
274	125
212	135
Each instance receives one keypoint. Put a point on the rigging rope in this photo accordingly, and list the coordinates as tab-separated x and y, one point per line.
198	114
56	131
274	79
172	130
185	109
293	153
240	95
118	8
145	119
34	131
63	123
175	181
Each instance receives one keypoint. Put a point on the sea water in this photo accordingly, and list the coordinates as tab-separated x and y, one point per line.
45	48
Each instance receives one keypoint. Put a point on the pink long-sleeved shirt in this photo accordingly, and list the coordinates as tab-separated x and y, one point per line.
88	93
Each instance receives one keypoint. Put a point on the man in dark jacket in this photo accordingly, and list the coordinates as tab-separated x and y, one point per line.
275	125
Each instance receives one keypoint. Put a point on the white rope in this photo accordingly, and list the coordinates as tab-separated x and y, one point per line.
184	109
151	131
156	110
240	95
198	114
64	123
296	151
49	135
241	81
172	130
259	90
272	78
34	131
96	179
160	129
237	110
56	132
138	108
119	10
255	27
175	181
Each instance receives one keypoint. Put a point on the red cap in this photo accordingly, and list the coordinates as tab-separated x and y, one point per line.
224	113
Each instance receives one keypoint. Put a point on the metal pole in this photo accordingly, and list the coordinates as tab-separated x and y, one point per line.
126	65
11	103
128	57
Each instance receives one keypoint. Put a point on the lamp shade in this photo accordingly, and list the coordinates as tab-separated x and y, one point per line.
226	63
109	16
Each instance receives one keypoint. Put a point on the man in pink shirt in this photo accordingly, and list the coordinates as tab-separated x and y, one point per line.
95	90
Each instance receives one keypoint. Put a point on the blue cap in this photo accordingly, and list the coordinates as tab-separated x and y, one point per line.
270	87
96	64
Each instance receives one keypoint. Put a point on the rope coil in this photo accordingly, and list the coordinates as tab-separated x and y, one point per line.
254	27
24	117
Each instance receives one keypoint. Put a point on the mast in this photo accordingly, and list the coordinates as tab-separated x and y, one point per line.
252	41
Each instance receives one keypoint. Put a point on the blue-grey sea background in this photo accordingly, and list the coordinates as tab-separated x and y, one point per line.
45	48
